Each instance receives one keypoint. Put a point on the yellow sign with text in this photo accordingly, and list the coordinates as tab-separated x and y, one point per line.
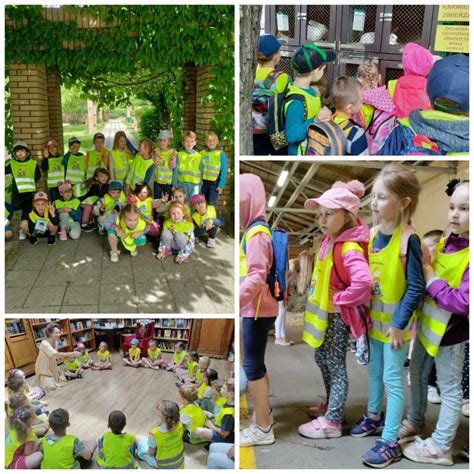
453	13
452	39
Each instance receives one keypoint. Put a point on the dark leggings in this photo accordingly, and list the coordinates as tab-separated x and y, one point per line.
254	338
465	373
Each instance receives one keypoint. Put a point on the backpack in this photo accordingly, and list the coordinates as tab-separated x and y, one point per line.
380	127
410	94
277	276
328	138
262	93
277	117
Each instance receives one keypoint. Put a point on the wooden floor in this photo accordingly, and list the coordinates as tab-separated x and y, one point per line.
136	392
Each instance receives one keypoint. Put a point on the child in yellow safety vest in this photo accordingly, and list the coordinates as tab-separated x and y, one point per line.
189	166
73	369
205	219
75	163
60	450
190	414
395	260
52	165
163	175
120	158
69	209
104	359
179	356
108	207
22	447
442	331
17	383
154	360
134	355
188	372
19	399
204	388
130	228
116	450
178	234
142	167
26	173
222	429
214	169
98	157
42	221
164	447
143	199
84	359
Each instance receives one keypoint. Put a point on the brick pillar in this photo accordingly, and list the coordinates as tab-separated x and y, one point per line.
29	99
190	98
55	110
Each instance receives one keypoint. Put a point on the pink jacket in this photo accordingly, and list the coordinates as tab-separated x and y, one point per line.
259	252
360	289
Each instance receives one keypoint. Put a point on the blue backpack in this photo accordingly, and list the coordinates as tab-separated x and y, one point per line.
276	279
404	141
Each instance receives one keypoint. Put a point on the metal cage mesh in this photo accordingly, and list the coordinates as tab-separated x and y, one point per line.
319	14
393	73
285	65
290	11
369	23
407	23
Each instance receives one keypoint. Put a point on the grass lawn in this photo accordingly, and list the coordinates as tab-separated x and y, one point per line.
80	131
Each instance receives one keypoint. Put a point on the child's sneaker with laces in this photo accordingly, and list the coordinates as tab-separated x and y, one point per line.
21	235
211	243
134	253
367	426
426	451
255	436
62	235
114	258
33	239
382	454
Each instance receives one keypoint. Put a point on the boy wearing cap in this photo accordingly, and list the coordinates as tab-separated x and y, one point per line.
214	169
134	355
52	165
69	208
309	65
163	175
74	162
98	157
108	207
42	221
26	174
267	78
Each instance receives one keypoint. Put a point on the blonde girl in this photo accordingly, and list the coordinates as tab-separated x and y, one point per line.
154	360
104	359
142	167
120	158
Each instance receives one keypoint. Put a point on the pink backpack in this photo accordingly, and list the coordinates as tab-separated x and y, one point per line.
410	94
380	127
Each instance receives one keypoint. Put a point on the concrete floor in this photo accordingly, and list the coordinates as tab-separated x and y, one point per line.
296	383
78	277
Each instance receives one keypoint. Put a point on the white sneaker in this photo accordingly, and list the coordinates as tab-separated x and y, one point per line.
134	253
254	436
114	257
465	409
21	235
433	395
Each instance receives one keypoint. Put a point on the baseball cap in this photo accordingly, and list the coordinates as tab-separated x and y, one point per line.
52	143
98	135
134	342
40	196
165	135
268	45
309	57
197	198
115	185
20	144
449	79
73	140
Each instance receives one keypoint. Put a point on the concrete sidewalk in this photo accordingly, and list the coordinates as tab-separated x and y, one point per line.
78	277
295	383
112	127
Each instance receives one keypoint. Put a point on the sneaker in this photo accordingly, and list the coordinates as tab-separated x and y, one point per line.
87	227
33	239
382	454
255	436
211	243
79	376
367	426
21	235
426	451
134	253
408	431
51	240
433	395
465	408
353	346
320	428
318	410
114	258
361	358
62	235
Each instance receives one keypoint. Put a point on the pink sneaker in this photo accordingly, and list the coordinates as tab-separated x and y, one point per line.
62	235
318	410
211	243
320	428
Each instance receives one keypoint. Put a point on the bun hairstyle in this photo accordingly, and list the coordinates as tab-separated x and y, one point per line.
354	186
50	328
170	412
22	420
453	184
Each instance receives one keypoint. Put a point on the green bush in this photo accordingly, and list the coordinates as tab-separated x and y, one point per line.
151	122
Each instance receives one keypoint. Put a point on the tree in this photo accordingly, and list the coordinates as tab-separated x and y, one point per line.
250	16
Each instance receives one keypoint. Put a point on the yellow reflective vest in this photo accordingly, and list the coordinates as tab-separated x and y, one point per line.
110	203
24	175
12	443
223	412
72	366
134	354
59	455
74	204
95	160
137	172
84	358
127	240
169	448
198	420
433	321
76	168
154	355
189	167
114	453
247	236
104	356
184	226
35	217
178	357
210	214
163	173
55	171
121	160
211	165
146	208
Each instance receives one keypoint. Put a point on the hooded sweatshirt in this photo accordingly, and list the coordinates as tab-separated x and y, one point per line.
360	288
259	252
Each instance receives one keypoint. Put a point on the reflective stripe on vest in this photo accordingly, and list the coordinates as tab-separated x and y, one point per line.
138	169
198	420
24	174
211	165
94	161
389	286
55	171
189	167
210	214
433	321
59	455
80	190
121	161
170	448
163	173
115	451
247	236
76	169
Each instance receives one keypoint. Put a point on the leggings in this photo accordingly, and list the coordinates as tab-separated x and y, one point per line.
254	338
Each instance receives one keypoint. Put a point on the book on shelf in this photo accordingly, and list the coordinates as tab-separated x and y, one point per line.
15	327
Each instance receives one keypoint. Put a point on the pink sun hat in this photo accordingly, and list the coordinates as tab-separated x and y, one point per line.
340	196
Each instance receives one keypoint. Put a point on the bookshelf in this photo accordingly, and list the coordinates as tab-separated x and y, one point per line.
168	331
82	330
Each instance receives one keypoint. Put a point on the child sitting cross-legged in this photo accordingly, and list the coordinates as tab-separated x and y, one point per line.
115	449
205	219
188	373
84	359
69	209
19	399
60	450
73	368
205	390
191	414
104	359
177	362
134	355
154	360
